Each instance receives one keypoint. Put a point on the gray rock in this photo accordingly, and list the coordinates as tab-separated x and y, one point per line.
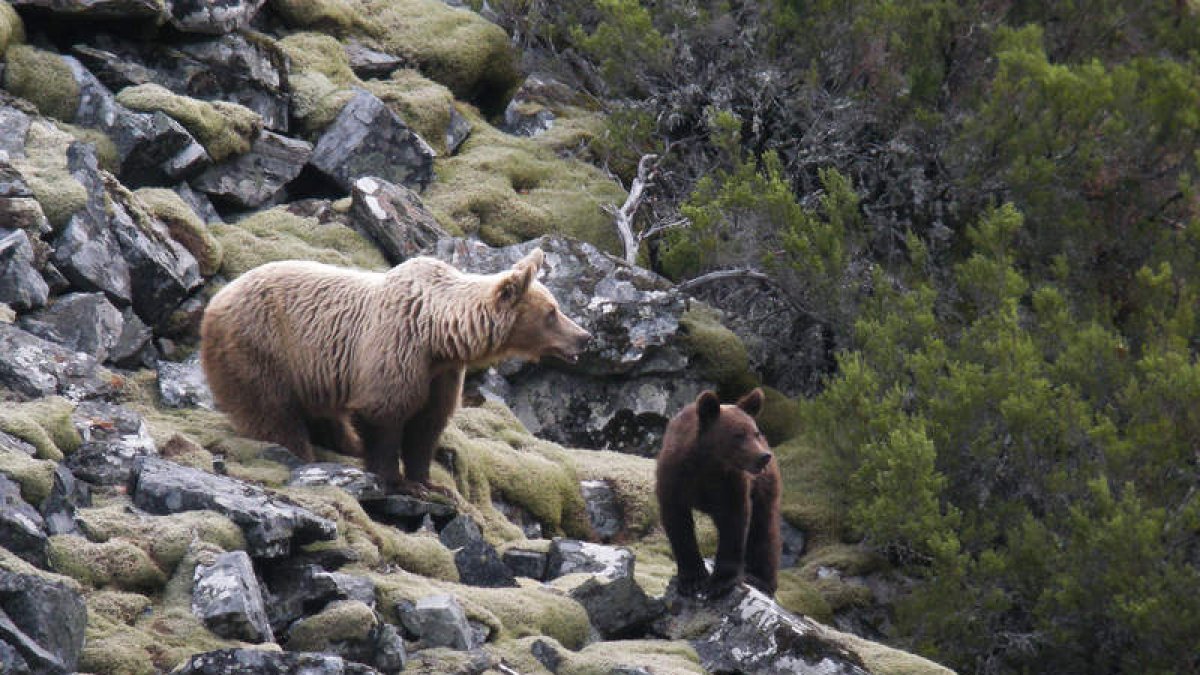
393	217
295	589
212	17
523	118
133	348
43	620
477	561
441	622
96	9
547	654
523	563
11	443
260	662
271	526
227	598
256	177
744	631
408	513
181	384
368	139
458	130
14	125
114	439
199	202
83	322
369	63
634	375
66	495
603	511
362	485
32	368
22	529
21	286
616	605
793	543
570	556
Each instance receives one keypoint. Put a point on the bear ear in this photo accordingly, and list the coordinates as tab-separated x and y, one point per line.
752	403
708	407
532	260
516	281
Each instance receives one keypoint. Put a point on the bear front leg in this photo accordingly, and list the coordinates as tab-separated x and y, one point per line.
424	428
680	527
732	526
762	544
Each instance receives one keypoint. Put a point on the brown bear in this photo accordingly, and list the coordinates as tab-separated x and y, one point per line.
297	352
716	460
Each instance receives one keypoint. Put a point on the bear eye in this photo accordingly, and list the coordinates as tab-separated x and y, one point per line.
551	318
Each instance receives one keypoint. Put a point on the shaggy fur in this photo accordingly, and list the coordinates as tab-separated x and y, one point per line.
368	362
716	460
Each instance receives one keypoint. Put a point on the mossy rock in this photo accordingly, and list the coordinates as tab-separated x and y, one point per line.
277	234
44	169
799	594
35	476
184	226
716	351
107	155
349	620
44	79
118	563
45	424
224	129
780	418
165	538
455	47
333	16
316	101
423	104
879	659
632	481
12	30
11	563
662	657
316	52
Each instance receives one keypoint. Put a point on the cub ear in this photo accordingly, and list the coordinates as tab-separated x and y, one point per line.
515	282
708	407
752	403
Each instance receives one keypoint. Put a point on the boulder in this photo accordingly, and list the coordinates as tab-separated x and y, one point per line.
368	139
114	439
181	384
616	605
409	513
133	348
260	662
199	202
524	563
32	368
83	322
227	598
272	526
441	622
212	17
571	556
352	630
633	376
393	217
22	529
477	561
43	620
21	285
370	63
257	177
361	485
295	588
457	131
66	495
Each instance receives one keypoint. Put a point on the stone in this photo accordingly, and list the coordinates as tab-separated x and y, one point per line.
603	510
353	631
746	632
133	348
272	526
523	118
181	384
547	654
793	543
114	439
571	556
457	131
368	139
295	588
261	662
361	485
477	561
524	563
21	285
83	322
616	605
32	368
393	217
257	177
66	496
43	620
199	202
408	513
22	529
441	622
96	9
369	63
227	598
212	17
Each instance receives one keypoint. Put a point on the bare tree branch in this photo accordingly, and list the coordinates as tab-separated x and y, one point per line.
624	215
720	275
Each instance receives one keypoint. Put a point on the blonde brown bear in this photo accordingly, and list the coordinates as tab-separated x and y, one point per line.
370	362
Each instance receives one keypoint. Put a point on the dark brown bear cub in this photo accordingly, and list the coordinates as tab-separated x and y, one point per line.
716	460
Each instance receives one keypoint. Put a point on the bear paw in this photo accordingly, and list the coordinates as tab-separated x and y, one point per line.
719	585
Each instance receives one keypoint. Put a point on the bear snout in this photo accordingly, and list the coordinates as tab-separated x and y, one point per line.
761	463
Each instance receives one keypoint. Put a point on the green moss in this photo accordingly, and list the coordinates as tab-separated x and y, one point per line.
224	129
716	351
780	418
184	226
107	156
44	169
117	605
810	499
316	101
35	476
164	538
118	563
340	621
880	659
44	79
455	47
662	657
12	30
11	563
336	16
276	234
800	595
423	104
45	424
632	481
186	452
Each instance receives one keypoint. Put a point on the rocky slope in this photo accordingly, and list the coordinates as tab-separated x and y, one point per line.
150	151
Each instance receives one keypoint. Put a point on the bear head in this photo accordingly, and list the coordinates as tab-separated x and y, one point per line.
540	328
729	434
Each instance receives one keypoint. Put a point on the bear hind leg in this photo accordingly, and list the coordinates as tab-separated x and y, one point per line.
423	429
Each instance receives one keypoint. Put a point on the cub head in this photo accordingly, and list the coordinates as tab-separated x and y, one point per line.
539	328
730	433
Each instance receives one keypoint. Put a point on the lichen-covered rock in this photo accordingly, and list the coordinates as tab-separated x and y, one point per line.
223	128
601	578
43	620
114	439
83	322
21	285
353	630
394	218
362	485
212	16
227	598
368	139
256	177
181	384
271	526
32	367
260	662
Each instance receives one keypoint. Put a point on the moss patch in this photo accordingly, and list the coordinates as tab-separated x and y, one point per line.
277	234
665	657
164	538
340	621
423	104
224	129
335	16
44	169
809	500
117	605
35	476
883	660
45	424
12	30
321	80
716	351
43	78
184	226
118	563
632	481
780	418
107	157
